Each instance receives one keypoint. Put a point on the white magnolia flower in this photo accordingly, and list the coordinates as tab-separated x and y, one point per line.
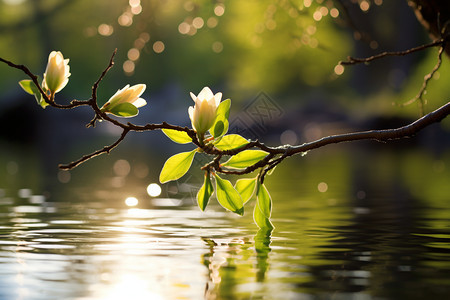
57	73
126	95
203	113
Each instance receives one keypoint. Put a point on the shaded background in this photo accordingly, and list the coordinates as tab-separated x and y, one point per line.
361	220
276	60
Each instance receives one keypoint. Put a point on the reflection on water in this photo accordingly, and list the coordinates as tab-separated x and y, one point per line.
379	230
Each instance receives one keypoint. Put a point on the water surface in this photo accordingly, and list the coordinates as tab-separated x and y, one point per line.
348	226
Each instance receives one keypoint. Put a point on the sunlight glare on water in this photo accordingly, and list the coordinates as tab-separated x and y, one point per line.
131	201
344	236
128	286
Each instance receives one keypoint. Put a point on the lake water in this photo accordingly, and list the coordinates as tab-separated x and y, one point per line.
349	225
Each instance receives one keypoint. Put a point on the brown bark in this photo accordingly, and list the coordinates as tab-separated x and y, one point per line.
434	15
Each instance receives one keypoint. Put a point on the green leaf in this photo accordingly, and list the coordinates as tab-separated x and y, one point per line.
262	221
125	110
263	200
224	108
221	124
205	192
28	86
180	137
245	158
228	197
176	166
218	128
231	141
246	188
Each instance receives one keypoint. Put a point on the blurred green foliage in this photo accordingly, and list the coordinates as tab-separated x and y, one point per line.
246	45
286	48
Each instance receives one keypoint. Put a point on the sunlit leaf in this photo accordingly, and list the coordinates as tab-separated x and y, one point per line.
205	192
228	197
264	200
245	158
176	166
125	110
221	124
224	108
231	141
262	221
28	86
180	137
246	188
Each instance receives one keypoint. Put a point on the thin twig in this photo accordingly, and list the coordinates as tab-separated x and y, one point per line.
353	61
104	150
426	79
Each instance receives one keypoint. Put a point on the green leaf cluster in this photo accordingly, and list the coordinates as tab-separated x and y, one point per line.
232	198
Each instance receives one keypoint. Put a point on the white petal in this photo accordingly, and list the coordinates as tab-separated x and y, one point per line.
139	102
193	96
138	89
115	98
217	98
205	93
191	114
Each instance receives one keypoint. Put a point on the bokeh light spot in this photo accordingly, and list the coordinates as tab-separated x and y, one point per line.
198	22
212	22
125	19
184	28
136	10
105	29
153	190
131	201
217	47
133	54
339	69
128	67
63	176
317	16
364	5
334	12
219	10
323	10
158	47
134	3
322	187
121	167
307	3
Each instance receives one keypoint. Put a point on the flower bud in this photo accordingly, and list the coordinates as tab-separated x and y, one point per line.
57	73
126	95
203	113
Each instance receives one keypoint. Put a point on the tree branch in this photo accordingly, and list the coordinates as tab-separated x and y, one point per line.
354	61
275	154
87	157
377	135
426	79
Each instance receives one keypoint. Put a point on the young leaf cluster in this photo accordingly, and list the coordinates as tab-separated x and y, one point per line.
216	143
